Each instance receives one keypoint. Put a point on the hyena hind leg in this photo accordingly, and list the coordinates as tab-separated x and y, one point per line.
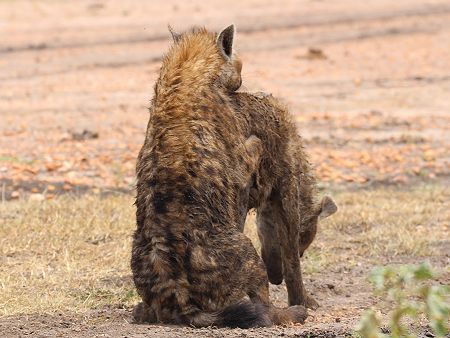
257	286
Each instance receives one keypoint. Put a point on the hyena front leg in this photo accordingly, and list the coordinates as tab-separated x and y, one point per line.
289	208
288	233
268	221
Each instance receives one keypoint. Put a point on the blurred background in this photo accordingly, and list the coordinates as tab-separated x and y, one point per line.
367	81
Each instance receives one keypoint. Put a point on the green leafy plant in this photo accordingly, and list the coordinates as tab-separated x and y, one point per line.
408	293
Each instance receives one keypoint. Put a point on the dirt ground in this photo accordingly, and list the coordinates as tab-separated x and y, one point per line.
64	263
368	83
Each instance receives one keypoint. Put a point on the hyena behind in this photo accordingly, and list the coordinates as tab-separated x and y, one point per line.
191	263
284	194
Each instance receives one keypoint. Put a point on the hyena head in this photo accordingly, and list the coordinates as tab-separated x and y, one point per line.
327	207
209	56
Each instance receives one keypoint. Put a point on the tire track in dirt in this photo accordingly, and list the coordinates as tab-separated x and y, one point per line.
293	22
299	40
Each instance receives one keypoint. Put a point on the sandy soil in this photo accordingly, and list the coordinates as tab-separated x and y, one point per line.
371	102
368	83
343	295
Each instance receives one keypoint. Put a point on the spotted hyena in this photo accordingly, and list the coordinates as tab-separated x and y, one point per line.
284	193
191	263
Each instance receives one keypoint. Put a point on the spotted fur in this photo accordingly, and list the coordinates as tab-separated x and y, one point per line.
284	194
191	263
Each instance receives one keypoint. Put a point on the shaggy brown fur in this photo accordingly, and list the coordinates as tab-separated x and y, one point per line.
285	193
191	263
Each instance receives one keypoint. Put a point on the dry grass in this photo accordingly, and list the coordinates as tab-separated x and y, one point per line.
66	254
382	224
72	254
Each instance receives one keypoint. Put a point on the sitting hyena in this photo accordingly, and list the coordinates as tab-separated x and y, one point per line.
191	263
284	193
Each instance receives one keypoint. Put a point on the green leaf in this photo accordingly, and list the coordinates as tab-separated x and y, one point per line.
423	272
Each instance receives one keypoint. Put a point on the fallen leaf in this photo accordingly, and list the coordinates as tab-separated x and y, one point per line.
37	197
52	166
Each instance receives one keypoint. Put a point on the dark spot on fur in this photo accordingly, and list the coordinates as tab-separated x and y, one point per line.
210	171
176	269
171	303
194	302
173	243
224	182
224	141
204	109
189	195
186	237
200	135
176	81
206	152
202	151
160	201
187	257
140	211
170	107
192	173
181	179
170	237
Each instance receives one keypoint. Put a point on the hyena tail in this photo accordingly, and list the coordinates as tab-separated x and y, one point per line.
243	314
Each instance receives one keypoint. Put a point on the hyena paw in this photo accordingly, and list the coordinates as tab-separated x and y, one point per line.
298	314
292	314
311	303
142	313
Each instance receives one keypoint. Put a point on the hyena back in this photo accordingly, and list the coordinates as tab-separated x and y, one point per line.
191	264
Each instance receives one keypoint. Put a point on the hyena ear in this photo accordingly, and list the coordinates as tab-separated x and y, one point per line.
225	41
175	36
327	207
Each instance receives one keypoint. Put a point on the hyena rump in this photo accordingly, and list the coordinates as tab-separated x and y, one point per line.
191	263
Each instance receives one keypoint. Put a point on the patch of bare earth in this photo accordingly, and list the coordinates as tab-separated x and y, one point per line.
367	83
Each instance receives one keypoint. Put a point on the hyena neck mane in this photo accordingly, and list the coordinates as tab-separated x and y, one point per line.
189	65
185	156
198	62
